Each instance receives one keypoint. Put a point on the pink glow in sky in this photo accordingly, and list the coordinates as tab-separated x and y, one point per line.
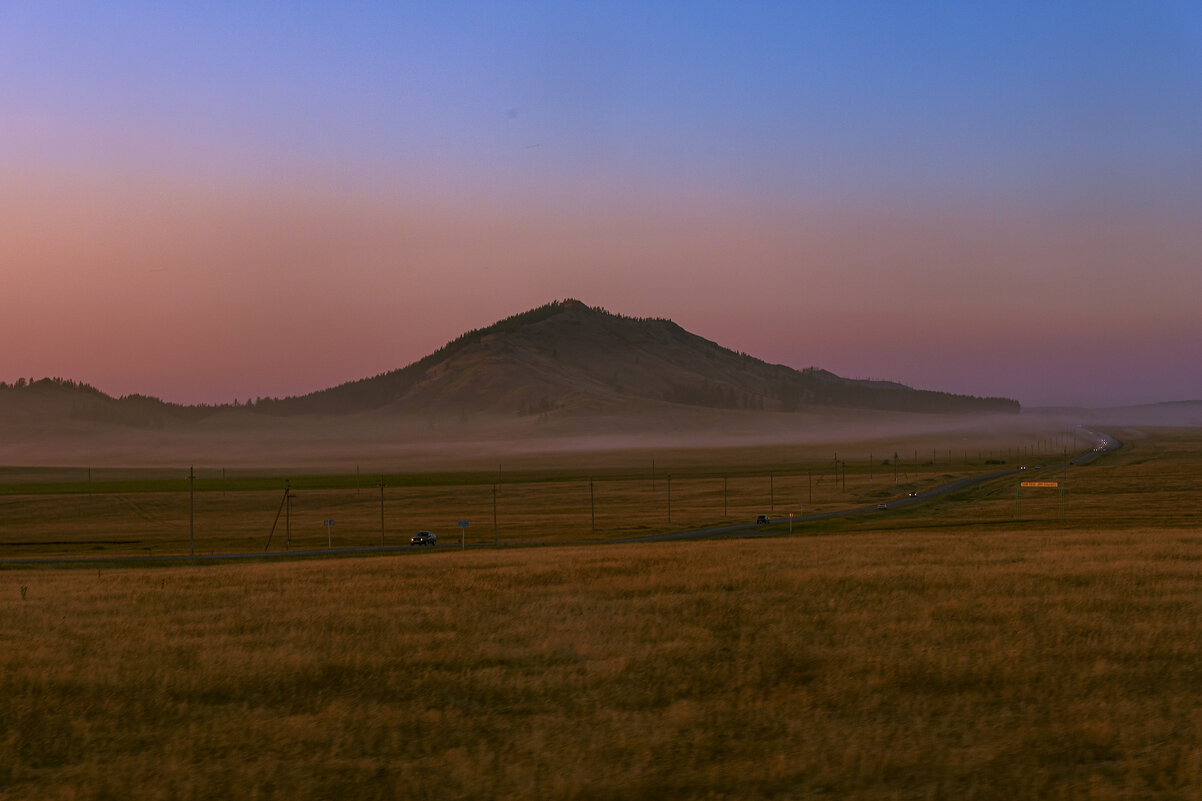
241	205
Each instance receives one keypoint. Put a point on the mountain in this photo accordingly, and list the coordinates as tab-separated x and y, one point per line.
561	358
567	356
48	399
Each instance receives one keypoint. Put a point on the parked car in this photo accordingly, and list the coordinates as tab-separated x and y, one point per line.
762	520
424	538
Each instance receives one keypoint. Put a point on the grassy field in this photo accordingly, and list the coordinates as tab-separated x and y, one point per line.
948	651
571	497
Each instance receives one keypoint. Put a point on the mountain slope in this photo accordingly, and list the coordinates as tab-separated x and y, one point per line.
563	357
568	356
48	399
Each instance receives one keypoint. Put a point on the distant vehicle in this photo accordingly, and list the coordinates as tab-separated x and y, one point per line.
762	520
424	538
1024	467
913	494
882	506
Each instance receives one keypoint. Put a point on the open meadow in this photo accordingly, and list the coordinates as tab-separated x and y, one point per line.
948	651
548	497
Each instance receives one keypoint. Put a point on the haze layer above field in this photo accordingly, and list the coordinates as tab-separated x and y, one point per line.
562	372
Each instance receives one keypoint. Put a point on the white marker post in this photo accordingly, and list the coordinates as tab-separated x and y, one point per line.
329	537
462	534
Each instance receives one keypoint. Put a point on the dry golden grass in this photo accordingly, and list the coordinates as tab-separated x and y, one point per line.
1023	665
538	498
949	651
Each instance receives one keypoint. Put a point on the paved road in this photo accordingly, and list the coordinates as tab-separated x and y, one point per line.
1105	444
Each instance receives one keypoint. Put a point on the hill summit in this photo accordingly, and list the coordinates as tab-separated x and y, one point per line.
564	357
569	356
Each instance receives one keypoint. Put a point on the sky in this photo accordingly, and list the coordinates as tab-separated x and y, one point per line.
217	201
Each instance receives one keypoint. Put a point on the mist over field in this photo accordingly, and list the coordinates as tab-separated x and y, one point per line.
563	377
240	440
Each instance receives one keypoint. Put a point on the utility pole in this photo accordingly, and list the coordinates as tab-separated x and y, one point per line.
494	514
381	511
287	516
592	505
771	491
669	497
192	510
285	504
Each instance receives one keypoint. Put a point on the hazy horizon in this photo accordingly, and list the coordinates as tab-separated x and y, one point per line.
210	204
240	400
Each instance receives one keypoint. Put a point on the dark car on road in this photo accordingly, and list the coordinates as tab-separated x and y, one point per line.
424	538
762	520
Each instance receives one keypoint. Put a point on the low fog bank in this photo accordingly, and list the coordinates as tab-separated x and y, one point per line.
1177	414
374	442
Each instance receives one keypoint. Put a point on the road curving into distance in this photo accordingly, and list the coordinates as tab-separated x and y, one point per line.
1104	444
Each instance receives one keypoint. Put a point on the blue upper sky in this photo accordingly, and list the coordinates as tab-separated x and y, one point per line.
797	98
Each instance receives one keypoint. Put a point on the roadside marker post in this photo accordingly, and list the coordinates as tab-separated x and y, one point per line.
462	534
329	524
